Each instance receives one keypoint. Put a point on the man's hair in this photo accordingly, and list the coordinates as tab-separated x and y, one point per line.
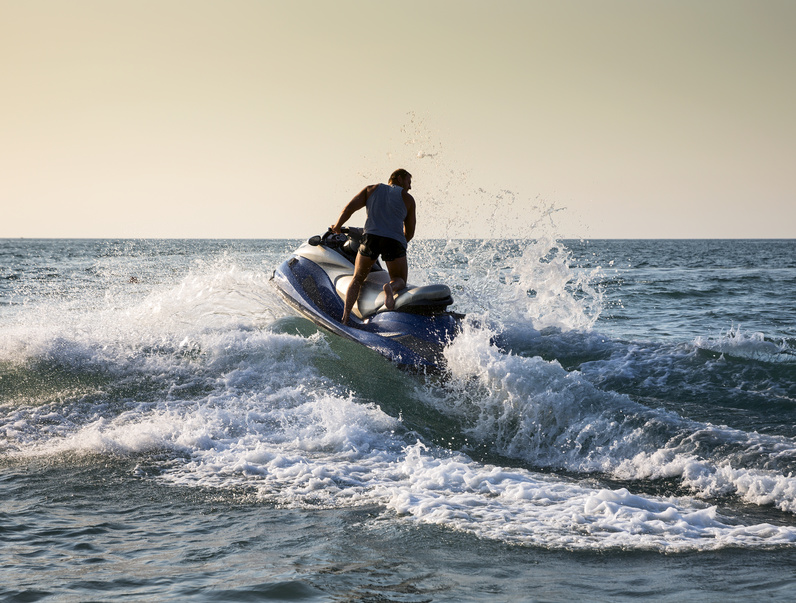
399	173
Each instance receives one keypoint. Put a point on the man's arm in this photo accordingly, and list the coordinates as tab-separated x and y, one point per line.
410	220
354	205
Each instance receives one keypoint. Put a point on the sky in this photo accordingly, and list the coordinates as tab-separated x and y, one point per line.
261	119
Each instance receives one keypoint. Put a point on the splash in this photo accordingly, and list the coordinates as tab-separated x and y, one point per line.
212	296
519	284
549	292
452	202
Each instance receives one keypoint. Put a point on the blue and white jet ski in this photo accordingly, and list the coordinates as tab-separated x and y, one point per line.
413	334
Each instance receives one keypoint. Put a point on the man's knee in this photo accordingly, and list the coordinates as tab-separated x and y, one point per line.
359	278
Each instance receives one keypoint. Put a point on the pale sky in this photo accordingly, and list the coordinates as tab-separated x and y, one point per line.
255	118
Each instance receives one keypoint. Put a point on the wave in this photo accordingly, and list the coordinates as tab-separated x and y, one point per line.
754	346
206	383
534	410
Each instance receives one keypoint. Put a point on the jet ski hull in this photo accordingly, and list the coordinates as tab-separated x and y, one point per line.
405	337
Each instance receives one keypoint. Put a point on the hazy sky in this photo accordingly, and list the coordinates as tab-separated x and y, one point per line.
245	118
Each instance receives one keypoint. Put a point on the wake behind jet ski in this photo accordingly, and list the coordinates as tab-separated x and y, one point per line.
314	281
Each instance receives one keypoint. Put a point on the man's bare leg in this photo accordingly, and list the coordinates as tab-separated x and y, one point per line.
362	268
399	272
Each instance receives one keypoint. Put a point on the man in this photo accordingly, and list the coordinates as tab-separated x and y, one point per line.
390	225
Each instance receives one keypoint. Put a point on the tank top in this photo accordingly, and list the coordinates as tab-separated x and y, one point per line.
386	213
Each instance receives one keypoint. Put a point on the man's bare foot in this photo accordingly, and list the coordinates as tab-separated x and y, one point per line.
344	319
389	300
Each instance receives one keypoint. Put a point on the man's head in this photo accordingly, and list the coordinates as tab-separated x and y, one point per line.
402	178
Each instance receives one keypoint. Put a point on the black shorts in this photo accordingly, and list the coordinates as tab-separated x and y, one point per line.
373	246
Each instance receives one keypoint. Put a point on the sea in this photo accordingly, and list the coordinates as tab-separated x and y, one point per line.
616	421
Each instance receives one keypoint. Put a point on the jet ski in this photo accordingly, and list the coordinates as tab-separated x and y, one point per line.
314	281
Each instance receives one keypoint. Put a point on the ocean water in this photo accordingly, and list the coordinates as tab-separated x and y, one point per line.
617	421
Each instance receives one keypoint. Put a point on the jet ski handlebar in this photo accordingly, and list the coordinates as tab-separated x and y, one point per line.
333	239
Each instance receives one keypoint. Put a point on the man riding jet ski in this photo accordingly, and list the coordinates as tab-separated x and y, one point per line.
336	281
388	229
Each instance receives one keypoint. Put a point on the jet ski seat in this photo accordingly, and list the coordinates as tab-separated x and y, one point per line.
409	299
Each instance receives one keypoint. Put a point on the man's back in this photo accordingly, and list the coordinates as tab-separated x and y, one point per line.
386	213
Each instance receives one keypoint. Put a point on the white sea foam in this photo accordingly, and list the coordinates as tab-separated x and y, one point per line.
517	506
738	343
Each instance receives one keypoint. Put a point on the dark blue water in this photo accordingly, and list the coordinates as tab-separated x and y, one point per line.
616	423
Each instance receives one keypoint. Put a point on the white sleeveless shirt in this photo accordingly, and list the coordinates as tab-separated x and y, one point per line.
386	213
